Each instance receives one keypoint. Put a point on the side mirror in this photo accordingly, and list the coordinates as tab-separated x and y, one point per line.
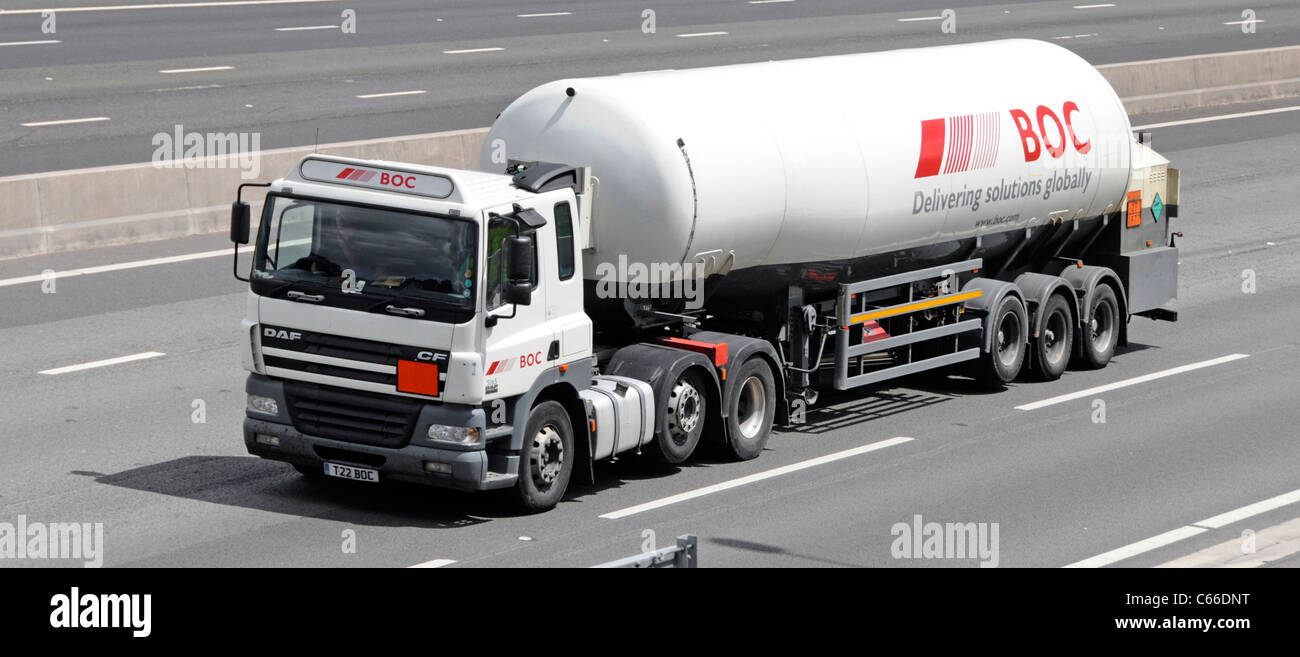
519	254
239	222
518	293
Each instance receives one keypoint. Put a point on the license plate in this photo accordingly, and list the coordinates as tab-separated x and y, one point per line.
349	472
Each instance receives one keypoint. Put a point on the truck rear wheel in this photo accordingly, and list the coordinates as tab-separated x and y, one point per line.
752	400
684	415
546	461
1002	363
1101	333
1052	348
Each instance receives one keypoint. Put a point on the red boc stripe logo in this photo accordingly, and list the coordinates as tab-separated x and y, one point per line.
355	174
958	143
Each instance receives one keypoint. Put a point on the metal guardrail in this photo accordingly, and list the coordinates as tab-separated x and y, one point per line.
682	555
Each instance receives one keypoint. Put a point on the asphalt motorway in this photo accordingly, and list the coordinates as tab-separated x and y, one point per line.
153	447
98	88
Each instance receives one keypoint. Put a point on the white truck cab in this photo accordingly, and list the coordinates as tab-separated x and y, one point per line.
389	334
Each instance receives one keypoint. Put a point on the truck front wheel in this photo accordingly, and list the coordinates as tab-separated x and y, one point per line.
546	461
752	401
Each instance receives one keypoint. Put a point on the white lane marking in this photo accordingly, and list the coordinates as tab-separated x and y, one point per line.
167	5
700	34
545	15
104	363
1221	117
471	50
1186	531
1108	4
1246	22
1236	515
390	94
920	18
37	278
1077	36
1134	549
767	2
190	87
306	27
1129	382
29	43
201	69
436	563
42	124
759	476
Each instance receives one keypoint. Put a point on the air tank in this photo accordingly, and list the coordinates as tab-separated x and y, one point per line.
831	159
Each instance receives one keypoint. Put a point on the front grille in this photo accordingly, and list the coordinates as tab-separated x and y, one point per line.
338	346
350	415
330	370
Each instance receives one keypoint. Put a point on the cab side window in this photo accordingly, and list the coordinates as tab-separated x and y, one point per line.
564	240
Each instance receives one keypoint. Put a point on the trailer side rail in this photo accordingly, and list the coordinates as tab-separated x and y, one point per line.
856	306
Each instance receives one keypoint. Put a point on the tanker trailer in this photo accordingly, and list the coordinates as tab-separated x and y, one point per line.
646	262
813	199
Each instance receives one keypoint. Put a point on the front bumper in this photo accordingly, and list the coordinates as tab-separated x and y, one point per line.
469	468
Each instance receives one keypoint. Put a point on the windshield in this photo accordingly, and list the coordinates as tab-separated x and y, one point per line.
364	253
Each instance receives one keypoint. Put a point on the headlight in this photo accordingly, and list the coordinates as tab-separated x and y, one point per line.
260	404
459	435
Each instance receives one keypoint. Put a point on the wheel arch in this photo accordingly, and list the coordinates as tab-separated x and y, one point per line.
1085	279
1039	289
994	291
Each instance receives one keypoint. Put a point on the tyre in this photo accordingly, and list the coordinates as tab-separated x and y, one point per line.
546	460
752	400
1101	333
1052	348
1003	362
684	412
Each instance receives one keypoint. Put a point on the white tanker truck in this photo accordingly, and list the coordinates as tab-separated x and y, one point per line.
647	262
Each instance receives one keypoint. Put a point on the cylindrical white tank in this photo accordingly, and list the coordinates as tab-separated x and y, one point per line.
831	158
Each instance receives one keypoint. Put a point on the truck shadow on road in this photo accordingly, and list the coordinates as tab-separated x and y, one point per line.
254	483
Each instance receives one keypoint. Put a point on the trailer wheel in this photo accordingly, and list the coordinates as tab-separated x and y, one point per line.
1052	348
752	401
1101	334
546	461
684	415
1002	363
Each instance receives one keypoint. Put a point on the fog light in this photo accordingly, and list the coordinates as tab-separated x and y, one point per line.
459	435
437	468
266	439
260	404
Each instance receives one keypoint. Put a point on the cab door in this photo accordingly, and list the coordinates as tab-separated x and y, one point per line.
518	337
564	304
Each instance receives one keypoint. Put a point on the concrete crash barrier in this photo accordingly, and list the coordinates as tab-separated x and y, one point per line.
105	206
1174	83
70	210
